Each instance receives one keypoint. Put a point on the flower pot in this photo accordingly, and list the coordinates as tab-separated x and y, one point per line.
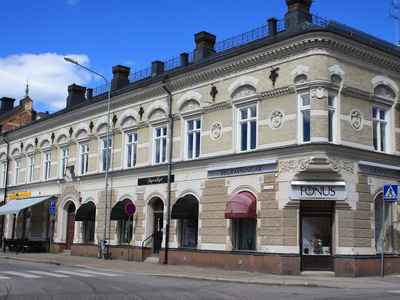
325	250
316	251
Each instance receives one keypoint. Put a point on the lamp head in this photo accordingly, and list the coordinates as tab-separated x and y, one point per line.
70	60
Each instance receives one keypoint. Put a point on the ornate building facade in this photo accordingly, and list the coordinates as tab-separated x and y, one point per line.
269	156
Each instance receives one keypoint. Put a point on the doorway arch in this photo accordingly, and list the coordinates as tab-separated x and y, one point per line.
70	226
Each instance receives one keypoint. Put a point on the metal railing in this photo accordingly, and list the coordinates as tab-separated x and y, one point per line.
150	236
262	32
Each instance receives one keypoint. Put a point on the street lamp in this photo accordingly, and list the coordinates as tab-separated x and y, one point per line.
108	138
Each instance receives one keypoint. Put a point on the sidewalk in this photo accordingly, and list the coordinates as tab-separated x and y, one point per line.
155	269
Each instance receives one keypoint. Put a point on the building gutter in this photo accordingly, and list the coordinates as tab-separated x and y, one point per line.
169	169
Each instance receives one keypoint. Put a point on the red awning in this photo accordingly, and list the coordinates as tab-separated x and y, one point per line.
241	205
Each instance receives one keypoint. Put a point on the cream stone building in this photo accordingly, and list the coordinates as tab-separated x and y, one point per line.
271	156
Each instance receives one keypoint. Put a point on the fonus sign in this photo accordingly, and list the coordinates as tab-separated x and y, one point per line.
318	190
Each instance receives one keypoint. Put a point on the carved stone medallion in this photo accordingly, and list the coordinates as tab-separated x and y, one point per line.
276	119
216	131
356	120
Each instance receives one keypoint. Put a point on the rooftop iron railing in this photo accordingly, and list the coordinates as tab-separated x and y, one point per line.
261	32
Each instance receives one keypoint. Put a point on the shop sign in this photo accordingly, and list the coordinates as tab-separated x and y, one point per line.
20	195
244	169
378	169
154	180
318	192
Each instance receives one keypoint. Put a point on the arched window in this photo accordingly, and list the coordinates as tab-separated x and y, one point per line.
124	221
242	210
186	210
87	214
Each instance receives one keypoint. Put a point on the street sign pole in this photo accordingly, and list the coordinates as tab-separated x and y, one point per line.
383	237
130	210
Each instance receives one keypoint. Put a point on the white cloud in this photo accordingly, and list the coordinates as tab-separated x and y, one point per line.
49	76
73	2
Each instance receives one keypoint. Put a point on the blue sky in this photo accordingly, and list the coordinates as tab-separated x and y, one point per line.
100	34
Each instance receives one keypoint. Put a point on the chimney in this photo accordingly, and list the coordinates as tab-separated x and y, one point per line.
89	94
76	95
6	104
298	13
157	67
121	77
33	115
204	45
184	59
272	27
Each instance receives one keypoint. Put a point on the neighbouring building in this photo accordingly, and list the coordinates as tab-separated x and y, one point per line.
266	152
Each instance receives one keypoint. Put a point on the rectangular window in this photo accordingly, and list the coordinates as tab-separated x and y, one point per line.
46	166
193	135
131	149
305	127
160	144
3	174
331	117
84	159
31	168
379	128
17	171
104	148
64	161
247	128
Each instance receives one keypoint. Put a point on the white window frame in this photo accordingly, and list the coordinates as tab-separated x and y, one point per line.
160	144
46	165
131	149
83	158
17	171
303	109
64	154
248	121
103	156
3	174
381	144
332	127
193	136
31	168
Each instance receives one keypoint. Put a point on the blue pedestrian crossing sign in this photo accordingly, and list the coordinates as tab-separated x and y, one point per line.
52	207
391	192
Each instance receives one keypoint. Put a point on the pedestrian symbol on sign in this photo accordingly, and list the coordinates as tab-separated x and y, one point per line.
390	192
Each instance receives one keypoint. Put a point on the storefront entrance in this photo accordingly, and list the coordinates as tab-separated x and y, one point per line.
158	218
316	235
70	226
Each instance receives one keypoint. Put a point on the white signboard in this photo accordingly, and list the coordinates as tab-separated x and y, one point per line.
318	192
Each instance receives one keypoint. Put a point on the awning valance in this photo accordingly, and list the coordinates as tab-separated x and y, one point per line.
185	208
87	212
241	205
118	211
15	206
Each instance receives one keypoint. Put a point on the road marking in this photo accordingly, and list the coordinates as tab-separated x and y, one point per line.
98	273
48	274
25	275
394	292
4	277
75	273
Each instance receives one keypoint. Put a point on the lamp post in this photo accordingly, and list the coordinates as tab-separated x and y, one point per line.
107	142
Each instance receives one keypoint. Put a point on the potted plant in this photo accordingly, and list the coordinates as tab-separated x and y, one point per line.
324	237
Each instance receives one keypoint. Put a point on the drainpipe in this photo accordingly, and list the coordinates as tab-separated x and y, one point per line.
169	170
6	179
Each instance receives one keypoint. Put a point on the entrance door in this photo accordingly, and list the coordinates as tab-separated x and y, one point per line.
70	226
316	242
158	231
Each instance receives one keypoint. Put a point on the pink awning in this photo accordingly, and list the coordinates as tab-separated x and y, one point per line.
241	205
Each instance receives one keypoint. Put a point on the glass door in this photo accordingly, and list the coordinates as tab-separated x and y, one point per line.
316	242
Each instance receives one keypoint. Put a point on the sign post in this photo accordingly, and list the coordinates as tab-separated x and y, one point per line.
130	210
390	193
52	212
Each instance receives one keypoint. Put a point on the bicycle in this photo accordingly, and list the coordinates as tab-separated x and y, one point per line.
103	249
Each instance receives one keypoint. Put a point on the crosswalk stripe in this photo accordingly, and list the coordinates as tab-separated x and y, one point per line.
25	275
4	277
98	273
394	292
75	273
48	274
